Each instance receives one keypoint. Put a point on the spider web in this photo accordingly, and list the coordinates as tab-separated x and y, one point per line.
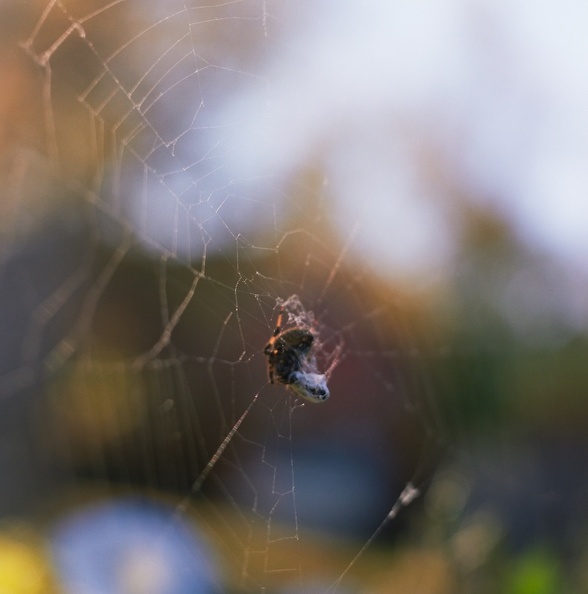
155	222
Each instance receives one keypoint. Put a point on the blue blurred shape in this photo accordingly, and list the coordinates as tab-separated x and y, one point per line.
132	546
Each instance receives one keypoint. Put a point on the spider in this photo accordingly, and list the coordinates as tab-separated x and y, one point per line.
291	362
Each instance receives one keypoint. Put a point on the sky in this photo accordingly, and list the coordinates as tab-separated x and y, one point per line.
497	91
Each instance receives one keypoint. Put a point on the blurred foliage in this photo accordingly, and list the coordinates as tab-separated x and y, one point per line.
537	571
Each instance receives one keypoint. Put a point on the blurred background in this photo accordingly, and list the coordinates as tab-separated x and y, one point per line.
416	173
